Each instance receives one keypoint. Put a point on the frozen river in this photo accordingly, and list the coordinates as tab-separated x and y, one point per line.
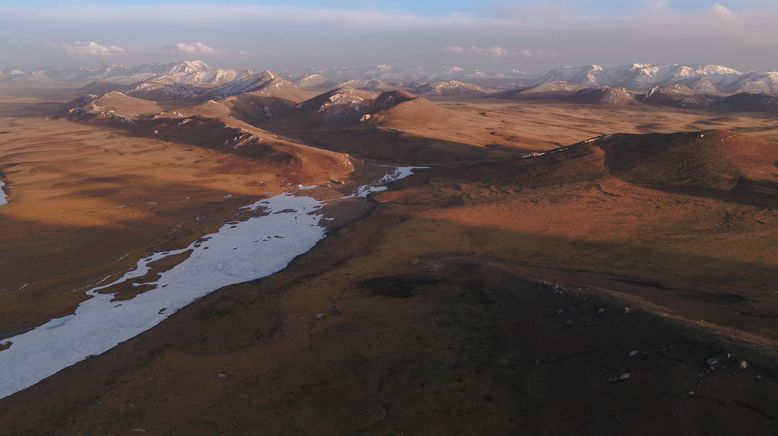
290	225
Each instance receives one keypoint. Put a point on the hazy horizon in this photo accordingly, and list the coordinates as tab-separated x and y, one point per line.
496	36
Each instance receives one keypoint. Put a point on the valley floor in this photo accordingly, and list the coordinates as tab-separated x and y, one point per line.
467	301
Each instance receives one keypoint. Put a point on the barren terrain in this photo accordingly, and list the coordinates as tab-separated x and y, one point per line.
528	282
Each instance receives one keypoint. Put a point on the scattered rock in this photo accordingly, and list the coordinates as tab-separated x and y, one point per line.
569	323
621	378
321	315
713	363
221	375
600	311
627	310
691	393
633	353
743	364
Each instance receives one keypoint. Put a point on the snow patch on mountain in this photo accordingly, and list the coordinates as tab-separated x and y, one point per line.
452	88
311	81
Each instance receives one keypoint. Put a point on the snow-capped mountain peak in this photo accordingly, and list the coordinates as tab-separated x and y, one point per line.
583	75
638	76
265	83
190	67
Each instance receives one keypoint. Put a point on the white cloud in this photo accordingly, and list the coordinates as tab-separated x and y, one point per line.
657	5
535	54
721	10
495	52
499	52
92	48
194	48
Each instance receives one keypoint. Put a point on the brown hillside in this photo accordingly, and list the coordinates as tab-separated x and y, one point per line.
116	104
716	163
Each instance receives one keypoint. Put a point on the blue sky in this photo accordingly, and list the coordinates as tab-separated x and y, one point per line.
530	35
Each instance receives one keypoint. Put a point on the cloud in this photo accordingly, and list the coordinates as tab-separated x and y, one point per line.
194	48
657	5
92	48
535	54
495	52
722	12
499	52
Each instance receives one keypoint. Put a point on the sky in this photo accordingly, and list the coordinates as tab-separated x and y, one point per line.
494	35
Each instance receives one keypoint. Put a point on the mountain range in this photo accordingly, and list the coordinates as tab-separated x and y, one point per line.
699	78
269	93
705	79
